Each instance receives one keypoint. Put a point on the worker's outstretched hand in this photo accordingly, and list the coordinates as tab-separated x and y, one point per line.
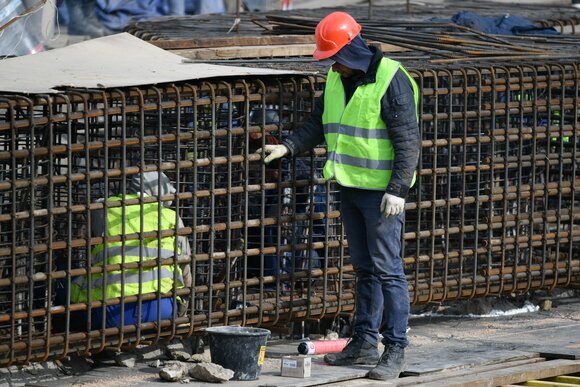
392	205
273	152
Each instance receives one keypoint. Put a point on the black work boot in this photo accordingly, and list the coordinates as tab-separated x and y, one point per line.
357	351
391	363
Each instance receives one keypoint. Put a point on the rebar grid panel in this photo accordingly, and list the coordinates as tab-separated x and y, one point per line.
205	30
254	229
493	210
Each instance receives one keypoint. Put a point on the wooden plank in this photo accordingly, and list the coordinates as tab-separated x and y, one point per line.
557	341
440	376
259	51
455	356
144	376
232	41
243	41
543	383
247	52
561	355
446	374
322	373
511	375
386	47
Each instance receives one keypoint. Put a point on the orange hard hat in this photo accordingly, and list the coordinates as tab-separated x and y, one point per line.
333	33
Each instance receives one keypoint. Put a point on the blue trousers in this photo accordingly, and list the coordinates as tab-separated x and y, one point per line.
148	313
374	244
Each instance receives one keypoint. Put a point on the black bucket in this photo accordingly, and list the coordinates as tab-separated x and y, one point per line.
239	349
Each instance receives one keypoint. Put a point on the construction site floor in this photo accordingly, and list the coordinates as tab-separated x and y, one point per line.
441	348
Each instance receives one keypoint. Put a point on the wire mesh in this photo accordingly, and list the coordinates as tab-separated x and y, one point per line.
493	210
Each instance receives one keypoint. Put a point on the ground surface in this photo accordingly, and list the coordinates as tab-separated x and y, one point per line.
439	344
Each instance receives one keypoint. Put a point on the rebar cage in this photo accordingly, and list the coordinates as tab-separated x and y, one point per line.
492	212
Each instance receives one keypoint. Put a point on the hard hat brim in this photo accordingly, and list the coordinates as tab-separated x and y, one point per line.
322	55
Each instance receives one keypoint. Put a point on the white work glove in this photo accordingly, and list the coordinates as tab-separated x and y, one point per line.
274	152
392	205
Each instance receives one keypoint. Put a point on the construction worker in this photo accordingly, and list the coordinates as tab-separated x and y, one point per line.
368	118
136	219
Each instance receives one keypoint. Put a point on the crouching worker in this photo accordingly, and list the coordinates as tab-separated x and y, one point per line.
135	220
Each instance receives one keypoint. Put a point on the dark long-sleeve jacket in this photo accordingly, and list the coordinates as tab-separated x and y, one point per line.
397	110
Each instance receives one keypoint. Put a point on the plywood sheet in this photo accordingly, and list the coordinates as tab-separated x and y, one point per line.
119	60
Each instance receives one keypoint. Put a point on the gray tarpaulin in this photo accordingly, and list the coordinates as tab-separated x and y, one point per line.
112	61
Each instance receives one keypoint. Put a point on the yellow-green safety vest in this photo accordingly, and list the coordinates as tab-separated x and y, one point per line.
360	153
132	251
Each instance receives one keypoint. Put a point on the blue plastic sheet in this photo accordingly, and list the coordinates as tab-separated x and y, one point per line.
116	14
502	25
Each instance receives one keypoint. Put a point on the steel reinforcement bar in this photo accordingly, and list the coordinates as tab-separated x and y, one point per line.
493	210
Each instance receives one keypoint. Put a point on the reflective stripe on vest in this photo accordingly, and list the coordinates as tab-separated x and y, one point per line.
360	152
130	285
150	249
116	250
361	163
356	132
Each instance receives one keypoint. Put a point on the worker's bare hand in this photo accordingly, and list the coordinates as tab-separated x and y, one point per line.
392	205
273	152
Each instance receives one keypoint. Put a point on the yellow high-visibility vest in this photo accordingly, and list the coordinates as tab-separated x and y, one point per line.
360	153
131	280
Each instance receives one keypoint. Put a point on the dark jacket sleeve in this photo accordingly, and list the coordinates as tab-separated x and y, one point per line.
399	113
310	134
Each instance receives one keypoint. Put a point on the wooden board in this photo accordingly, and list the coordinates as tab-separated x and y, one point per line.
240	52
561	355
439	377
262	51
511	375
143	376
259	40
385	47
447	374
499	374
233	41
557	342
454	356
321	374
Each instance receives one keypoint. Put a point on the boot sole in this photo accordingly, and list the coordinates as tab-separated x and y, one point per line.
359	361
378	376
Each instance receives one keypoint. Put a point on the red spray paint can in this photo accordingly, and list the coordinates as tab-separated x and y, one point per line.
317	347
